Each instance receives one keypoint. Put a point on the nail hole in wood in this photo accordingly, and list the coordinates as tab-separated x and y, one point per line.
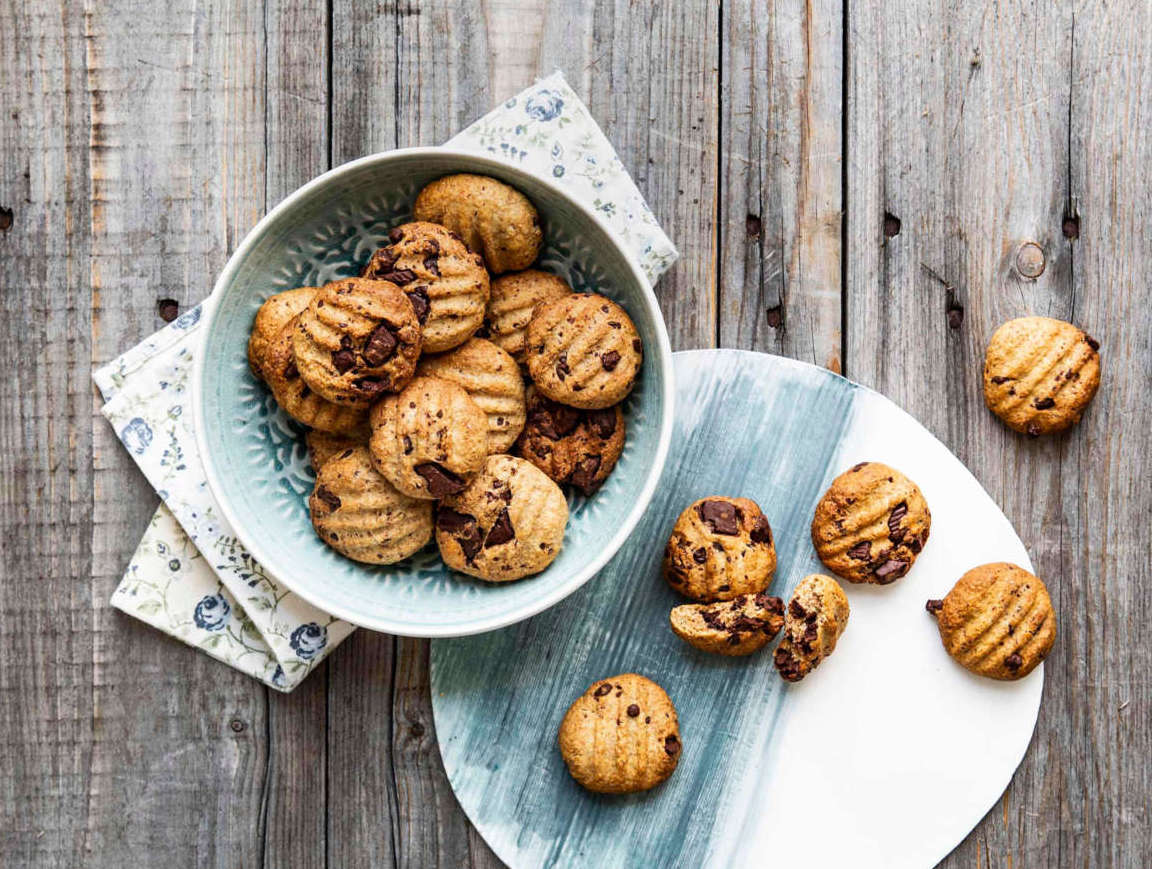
891	225
1072	227
775	317
416	729
5	218
752	225
955	316
168	309
237	725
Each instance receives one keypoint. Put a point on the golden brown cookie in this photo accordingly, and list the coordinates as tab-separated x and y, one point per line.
871	524
621	735
583	351
322	445
514	298
1040	374
574	446
492	378
815	618
357	340
361	515
273	315
494	220
429	440
740	626
720	548
997	621
298	400
446	283
507	524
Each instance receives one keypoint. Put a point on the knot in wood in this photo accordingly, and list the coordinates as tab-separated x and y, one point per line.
1030	260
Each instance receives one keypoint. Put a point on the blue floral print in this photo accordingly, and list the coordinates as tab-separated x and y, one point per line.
307	641
544	105
136	436
212	613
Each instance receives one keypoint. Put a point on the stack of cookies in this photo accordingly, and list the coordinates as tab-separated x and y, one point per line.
451	389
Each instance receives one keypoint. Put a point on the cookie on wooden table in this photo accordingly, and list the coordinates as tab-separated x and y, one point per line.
583	351
1040	374
997	621
357	340
492	378
445	282
513	300
574	446
719	549
816	616
741	626
507	523
495	220
273	315
361	515
871	524
621	736
323	445
430	439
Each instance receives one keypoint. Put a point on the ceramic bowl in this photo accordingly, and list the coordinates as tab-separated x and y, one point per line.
254	455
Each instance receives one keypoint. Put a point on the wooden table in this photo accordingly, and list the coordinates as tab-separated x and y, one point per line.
849	183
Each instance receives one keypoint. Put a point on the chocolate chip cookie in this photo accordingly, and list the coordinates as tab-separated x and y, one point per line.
815	618
574	446
446	283
492	378
357	340
583	351
361	515
514	298
741	626
871	524
273	315
430	439
621	736
1040	374
494	220
507	523
997	621
322	446
720	548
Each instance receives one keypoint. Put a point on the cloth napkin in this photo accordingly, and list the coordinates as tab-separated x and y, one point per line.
190	576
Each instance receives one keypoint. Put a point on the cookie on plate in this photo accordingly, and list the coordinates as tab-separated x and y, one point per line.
583	351
357	340
298	400
514	298
1040	374
621	736
430	439
815	618
273	315
871	524
446	283
997	621
492	378
494	220
719	549
507	523
741	626
323	445
361	515
574	446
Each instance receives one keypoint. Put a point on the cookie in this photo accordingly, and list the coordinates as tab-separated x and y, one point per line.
621	736
574	446
997	621
322	446
741	626
298	400
446	283
720	548
1040	374
583	351
357	340
429	440
273	315
494	220
514	298
814	620
492	378
507	524
361	515
871	524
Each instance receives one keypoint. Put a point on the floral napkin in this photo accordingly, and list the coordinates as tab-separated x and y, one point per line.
190	576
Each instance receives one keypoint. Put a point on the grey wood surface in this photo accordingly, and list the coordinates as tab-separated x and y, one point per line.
848	183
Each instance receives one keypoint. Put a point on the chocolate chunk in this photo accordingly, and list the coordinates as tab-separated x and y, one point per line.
917	543
861	551
998	380
761	530
857	466
720	517
343	361
633	710
787	665
769	602
603	423
610	360
724	587
381	345
898	513
1014	662
636	344
328	497
168	309
400	277
712	619
407	445
585	474
602	690
1044	403
700	555
432	263
501	531
672	745
562	369
421	304
796	610
554	420
733	639
891	570
370	386
746	623
395	235
1092	342
382	262
934	606
462	527
440	480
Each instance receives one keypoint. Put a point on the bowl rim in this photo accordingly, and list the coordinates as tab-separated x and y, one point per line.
662	356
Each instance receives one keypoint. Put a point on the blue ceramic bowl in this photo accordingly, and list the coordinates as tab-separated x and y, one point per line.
254	455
